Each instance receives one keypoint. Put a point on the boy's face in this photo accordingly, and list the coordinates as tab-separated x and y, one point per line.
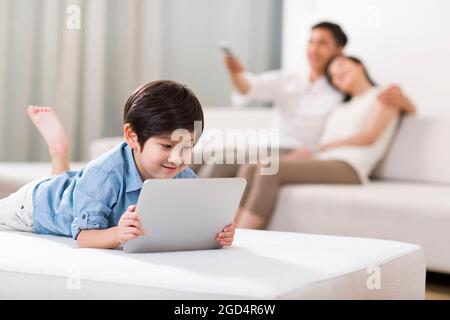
160	157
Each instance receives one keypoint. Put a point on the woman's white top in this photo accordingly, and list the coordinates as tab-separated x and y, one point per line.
349	119
300	105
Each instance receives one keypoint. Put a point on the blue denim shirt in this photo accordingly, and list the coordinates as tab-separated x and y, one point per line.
92	198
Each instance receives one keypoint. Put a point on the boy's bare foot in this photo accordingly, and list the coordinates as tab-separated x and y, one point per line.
51	128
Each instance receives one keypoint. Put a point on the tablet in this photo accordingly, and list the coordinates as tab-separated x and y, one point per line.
185	214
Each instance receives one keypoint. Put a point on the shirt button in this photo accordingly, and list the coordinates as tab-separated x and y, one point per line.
83	216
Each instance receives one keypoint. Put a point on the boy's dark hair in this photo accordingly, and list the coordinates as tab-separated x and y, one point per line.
161	107
338	34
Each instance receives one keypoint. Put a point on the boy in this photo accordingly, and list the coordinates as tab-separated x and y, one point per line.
96	205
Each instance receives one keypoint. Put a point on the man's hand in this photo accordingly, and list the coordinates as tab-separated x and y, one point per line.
233	65
298	154
237	75
393	97
129	226
226	237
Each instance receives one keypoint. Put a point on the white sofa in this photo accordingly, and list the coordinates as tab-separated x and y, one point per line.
408	201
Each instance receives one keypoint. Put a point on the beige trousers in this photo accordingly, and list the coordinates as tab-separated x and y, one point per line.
261	192
223	170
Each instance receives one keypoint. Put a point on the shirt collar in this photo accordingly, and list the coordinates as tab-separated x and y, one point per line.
319	82
322	84
132	178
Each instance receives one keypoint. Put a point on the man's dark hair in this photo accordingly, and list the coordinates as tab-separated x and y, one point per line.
338	34
161	107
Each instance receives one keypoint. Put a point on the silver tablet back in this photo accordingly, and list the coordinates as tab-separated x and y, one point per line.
185	214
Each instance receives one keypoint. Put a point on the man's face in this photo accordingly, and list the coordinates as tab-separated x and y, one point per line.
162	158
321	48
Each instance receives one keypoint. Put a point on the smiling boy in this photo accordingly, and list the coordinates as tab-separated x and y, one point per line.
96	205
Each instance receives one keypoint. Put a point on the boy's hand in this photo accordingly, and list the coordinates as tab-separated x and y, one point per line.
226	237
129	226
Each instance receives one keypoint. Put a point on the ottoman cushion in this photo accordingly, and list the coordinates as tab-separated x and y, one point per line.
261	265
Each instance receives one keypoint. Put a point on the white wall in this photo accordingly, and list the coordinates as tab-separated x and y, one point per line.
401	41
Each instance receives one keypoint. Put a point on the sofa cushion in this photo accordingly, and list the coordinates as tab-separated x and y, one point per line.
419	152
100	146
413	213
261	265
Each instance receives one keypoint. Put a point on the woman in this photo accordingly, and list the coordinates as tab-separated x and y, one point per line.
355	138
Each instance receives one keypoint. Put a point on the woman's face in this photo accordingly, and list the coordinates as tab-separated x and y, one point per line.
346	74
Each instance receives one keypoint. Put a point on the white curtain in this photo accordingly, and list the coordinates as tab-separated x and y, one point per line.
87	74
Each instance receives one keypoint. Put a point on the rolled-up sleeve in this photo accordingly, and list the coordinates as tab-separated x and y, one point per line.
93	199
263	87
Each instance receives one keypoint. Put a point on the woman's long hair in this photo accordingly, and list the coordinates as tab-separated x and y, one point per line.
347	97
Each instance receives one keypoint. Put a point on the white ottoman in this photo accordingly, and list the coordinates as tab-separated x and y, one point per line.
261	265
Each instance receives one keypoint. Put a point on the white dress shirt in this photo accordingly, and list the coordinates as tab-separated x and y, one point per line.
300	106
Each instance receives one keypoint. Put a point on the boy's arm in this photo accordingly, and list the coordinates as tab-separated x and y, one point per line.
106	238
94	196
129	228
226	236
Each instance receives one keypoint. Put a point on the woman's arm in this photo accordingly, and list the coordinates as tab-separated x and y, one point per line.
378	121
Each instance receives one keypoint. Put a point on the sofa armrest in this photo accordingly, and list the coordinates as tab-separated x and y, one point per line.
100	146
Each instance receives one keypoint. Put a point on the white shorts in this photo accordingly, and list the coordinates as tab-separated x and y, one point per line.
16	211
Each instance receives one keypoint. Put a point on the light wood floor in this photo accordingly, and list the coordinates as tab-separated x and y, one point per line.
438	286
